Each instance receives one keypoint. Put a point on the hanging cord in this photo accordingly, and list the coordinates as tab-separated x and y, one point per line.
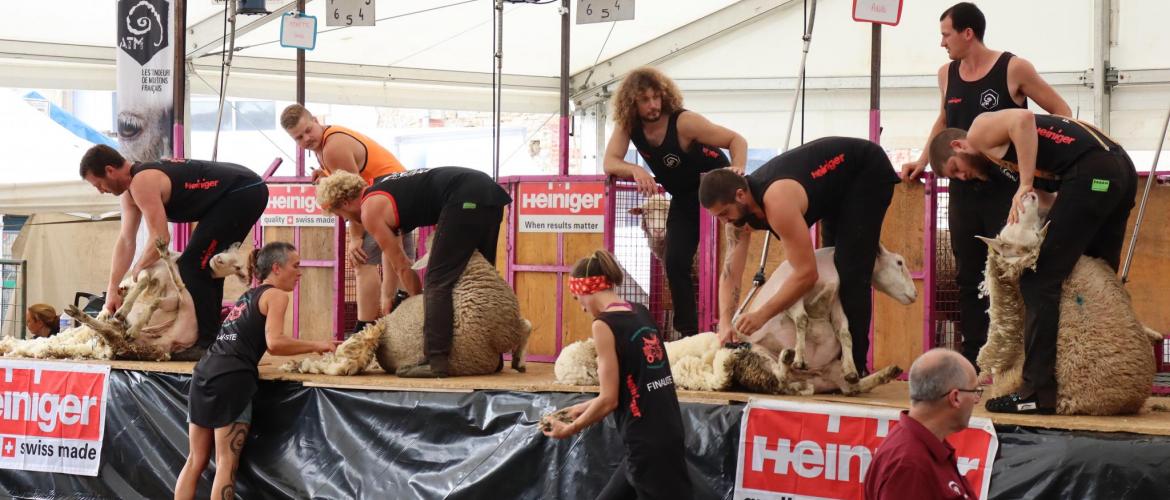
599	52
225	71
258	127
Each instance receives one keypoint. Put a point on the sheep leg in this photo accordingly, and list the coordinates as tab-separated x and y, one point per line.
151	307
106	332
784	366
841	327
172	271
518	362
132	297
880	377
800	319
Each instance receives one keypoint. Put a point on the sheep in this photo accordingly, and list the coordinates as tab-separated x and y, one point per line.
1104	356
487	324
166	324
811	339
700	363
653	214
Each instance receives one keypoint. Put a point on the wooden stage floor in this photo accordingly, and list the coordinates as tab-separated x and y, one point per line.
1153	420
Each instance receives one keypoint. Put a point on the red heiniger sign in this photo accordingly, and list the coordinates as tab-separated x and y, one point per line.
294	205
52	416
791	450
561	207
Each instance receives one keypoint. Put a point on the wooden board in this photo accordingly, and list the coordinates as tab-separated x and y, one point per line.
1149	284
536	248
897	329
538	304
316	307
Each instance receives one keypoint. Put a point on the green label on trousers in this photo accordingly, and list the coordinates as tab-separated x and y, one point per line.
1101	185
467	205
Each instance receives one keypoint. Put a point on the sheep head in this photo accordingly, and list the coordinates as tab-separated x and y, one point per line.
653	212
1018	244
230	263
892	277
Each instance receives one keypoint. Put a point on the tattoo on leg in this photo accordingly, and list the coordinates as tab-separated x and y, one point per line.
229	491
237	436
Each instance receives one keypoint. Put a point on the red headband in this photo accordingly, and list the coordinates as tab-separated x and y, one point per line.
588	285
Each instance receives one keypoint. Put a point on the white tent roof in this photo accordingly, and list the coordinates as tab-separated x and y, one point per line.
38	148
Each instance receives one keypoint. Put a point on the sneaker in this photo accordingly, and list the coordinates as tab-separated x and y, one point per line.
435	368
1014	403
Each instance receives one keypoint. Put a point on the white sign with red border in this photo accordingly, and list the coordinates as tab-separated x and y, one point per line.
561	207
294	205
878	11
791	450
52	416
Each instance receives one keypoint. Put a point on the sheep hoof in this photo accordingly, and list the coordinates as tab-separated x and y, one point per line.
852	378
800	365
787	356
520	369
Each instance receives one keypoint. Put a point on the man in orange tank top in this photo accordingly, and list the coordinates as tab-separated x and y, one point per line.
341	149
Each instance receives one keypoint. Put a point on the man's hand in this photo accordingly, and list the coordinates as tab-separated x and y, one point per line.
326	346
748	323
318	173
738	170
354	254
113	300
646	184
912	171
1017	200
725	333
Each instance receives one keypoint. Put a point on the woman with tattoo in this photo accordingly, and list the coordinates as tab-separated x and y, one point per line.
225	379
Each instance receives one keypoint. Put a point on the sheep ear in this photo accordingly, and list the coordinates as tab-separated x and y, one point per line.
1044	230
636	211
994	244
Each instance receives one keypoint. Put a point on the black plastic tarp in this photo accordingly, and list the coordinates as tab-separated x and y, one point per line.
310	442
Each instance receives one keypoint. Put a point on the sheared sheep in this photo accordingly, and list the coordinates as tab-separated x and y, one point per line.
700	363
1104	356
487	324
166	323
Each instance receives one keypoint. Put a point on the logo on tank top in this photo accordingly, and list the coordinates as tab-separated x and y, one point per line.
828	166
201	184
671	160
651	345
989	99
955	100
143	27
1056	136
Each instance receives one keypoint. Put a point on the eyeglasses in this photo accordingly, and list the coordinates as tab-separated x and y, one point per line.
978	392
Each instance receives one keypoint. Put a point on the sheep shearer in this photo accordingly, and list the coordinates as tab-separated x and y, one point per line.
225	199
1096	184
978	80
843	182
678	145
342	149
466	207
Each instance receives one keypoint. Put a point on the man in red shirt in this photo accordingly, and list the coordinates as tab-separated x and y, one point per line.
916	461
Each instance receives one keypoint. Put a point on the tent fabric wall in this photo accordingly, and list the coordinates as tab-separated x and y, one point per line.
65	255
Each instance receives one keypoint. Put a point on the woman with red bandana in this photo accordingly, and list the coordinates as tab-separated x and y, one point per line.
636	386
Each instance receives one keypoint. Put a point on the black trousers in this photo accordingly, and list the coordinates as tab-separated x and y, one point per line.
682	241
975	209
1089	218
657	478
224	225
855	229
459	232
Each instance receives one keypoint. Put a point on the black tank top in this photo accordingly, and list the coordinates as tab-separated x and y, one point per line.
224	380
197	185
419	195
825	168
966	100
677	170
1060	143
648	411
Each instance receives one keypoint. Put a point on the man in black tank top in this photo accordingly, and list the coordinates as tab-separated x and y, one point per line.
678	145
977	80
466	207
1096	184
843	182
225	199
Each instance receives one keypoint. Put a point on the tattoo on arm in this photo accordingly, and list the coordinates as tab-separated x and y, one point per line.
733	235
735	296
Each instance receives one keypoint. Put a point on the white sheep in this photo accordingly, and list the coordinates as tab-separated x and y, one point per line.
166	323
701	363
653	214
1104	356
487	324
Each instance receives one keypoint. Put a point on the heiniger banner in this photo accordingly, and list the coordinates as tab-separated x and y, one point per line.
145	62
52	416
792	450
